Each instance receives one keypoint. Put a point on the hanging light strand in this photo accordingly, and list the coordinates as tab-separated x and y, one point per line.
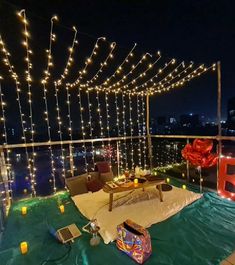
131	131
69	60
14	76
8	164
22	15
100	117
108	128
124	130
144	146
141	75
83	129
88	61
151	79
118	69
130	72
139	131
91	129
194	73
118	130
59	82
46	112
103	65
59	121
70	128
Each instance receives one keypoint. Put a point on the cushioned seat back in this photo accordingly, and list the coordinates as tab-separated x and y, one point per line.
77	185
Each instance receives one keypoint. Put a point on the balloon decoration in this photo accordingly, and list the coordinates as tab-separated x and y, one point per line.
199	154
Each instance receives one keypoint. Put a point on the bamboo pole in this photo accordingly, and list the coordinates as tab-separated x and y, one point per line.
148	133
219	117
187	165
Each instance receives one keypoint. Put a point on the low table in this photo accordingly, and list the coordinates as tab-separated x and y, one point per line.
120	188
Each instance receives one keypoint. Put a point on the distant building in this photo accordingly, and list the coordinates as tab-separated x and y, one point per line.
189	120
231	114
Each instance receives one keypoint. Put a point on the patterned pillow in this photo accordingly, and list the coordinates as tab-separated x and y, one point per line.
94	185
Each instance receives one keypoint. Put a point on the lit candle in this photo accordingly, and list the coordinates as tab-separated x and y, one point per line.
167	180
135	182
24	247
24	210
61	208
184	187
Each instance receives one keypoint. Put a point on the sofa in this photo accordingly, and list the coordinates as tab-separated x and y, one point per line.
91	181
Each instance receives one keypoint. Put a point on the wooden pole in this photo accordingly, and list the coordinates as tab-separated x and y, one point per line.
148	133
219	116
187	165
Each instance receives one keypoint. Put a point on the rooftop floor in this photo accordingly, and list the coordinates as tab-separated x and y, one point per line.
202	233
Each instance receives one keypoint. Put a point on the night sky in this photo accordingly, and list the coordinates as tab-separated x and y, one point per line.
202	31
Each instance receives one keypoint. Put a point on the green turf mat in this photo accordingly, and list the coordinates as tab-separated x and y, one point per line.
202	233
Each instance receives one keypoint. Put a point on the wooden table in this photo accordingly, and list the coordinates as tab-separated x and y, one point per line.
147	183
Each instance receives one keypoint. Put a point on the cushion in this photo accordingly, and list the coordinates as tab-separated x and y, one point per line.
94	175
103	167
104	177
77	185
94	185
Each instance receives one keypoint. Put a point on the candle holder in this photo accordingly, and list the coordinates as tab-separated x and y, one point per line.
24	247
136	181
24	210
61	207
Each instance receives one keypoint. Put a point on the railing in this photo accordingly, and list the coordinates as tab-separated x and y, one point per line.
166	152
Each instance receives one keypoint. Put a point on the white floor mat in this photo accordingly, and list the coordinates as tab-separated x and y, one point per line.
143	208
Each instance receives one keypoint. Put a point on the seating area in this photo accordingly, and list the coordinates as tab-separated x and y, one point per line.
91	181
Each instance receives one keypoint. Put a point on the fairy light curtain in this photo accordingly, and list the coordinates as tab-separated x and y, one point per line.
100	97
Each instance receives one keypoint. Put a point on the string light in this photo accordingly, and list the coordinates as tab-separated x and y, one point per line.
69	60
91	129
118	130
102	66
87	62
133	68
108	127
144	130
145	85
180	82
100	117
28	78
8	165
59	121
117	71
141	75
15	77
59	82
124	130
82	127
139	131
44	83
131	131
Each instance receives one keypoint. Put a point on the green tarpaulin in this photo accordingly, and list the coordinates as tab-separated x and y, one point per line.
202	233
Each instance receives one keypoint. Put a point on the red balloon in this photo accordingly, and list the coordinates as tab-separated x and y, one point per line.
203	146
198	154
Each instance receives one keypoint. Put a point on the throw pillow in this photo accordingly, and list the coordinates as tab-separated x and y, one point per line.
105	177
103	167
77	185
